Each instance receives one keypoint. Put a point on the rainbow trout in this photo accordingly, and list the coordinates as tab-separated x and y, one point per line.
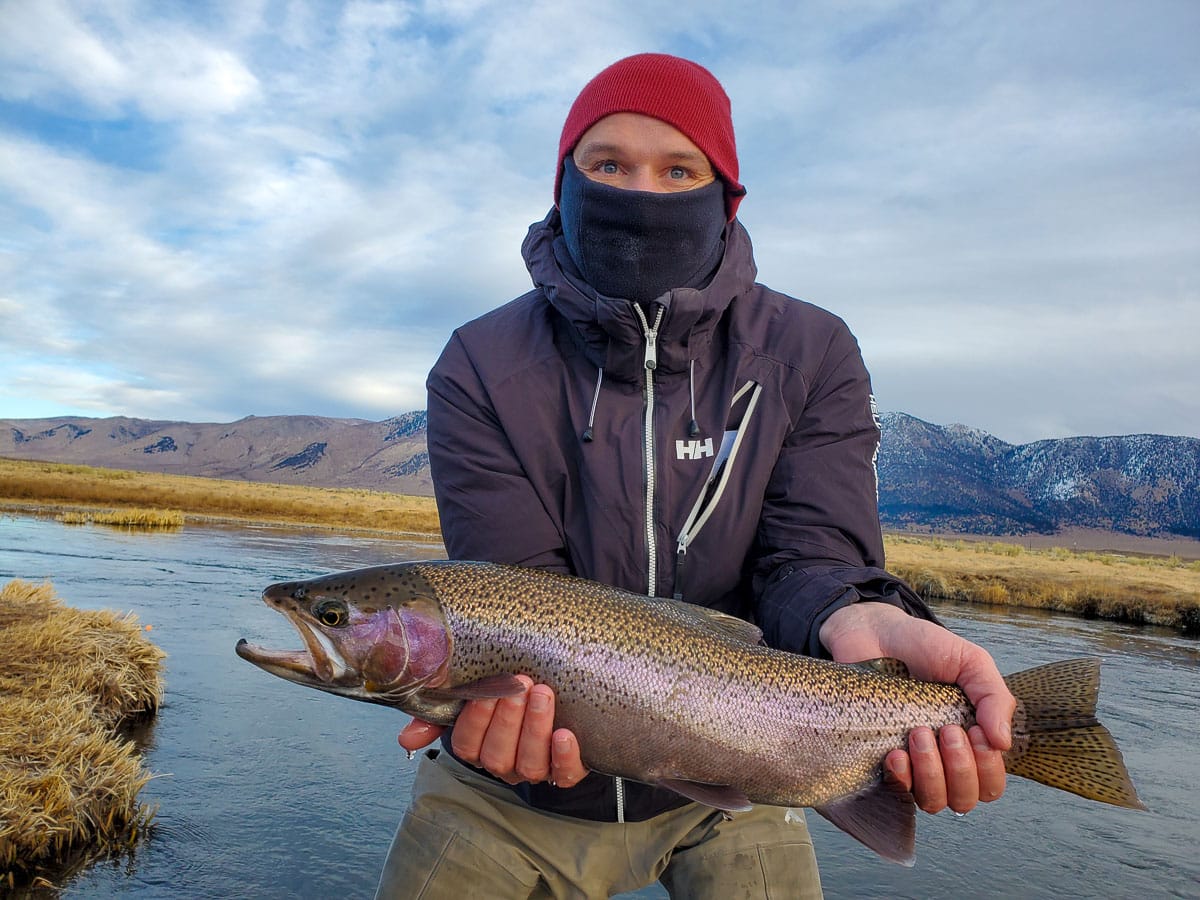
671	694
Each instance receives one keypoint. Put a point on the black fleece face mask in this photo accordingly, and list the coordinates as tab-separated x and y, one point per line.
638	245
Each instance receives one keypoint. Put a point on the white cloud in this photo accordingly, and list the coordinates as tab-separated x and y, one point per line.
112	55
256	207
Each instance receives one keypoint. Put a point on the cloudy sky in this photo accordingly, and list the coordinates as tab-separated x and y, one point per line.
212	210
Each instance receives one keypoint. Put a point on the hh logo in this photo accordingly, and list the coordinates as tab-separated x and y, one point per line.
693	449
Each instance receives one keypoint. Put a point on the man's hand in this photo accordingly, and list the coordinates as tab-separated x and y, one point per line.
952	768
513	738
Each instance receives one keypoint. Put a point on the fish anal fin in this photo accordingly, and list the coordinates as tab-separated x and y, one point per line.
879	817
884	665
718	796
491	687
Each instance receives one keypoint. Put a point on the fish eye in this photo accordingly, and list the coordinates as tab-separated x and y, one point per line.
332	613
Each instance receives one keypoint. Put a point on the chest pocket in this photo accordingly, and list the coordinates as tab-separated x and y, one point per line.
741	410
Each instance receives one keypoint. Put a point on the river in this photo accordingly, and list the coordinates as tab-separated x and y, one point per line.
268	790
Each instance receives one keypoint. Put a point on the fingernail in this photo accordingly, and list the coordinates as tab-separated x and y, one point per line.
923	741
538	702
1006	732
562	743
952	737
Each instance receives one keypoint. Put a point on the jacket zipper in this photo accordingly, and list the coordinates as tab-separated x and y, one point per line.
648	463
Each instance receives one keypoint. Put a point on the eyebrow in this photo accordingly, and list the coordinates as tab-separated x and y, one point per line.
591	148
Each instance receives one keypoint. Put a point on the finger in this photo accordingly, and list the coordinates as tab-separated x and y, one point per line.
566	767
958	763
897	773
990	763
994	713
498	752
418	733
470	728
929	780
533	749
993	701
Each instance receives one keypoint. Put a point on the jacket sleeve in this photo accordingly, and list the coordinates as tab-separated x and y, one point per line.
488	508
819	544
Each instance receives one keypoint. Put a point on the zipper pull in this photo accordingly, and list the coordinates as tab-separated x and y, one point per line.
651	332
651	350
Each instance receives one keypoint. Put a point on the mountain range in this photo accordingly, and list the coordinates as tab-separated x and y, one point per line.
958	479
311	450
931	477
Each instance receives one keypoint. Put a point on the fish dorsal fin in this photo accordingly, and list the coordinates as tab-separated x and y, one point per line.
885	665
718	796
491	687
729	627
883	819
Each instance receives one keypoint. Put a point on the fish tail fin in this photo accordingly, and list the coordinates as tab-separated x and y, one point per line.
1057	739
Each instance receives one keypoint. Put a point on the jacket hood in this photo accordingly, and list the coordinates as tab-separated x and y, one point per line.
607	328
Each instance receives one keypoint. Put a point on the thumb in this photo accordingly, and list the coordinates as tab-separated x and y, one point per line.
994	703
419	733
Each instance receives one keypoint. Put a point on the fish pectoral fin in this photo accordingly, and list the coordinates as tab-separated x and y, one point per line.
883	819
491	687
718	796
884	665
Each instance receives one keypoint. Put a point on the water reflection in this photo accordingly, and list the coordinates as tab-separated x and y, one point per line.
268	790
1118	638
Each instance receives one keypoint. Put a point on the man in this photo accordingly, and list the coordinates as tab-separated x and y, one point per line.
650	417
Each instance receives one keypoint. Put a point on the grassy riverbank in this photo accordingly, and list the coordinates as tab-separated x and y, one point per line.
68	783
88	492
1120	586
1125	588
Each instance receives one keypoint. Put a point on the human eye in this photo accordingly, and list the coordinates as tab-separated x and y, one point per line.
678	173
608	167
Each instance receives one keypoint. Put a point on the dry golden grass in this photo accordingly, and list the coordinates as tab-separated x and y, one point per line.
156	519
1127	588
1163	591
68	784
81	489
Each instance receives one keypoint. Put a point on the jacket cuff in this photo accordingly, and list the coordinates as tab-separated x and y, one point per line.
813	646
797	602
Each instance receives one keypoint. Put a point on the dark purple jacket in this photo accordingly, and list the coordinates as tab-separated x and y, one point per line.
766	510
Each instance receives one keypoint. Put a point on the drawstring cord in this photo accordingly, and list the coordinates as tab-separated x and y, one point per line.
587	432
693	428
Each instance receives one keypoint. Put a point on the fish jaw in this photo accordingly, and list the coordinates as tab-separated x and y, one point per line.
320	664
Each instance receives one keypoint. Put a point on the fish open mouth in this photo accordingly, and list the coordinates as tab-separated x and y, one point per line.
294	665
318	665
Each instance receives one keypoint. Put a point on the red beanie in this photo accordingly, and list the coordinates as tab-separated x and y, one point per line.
677	91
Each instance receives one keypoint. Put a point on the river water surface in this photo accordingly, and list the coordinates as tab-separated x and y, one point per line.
269	790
